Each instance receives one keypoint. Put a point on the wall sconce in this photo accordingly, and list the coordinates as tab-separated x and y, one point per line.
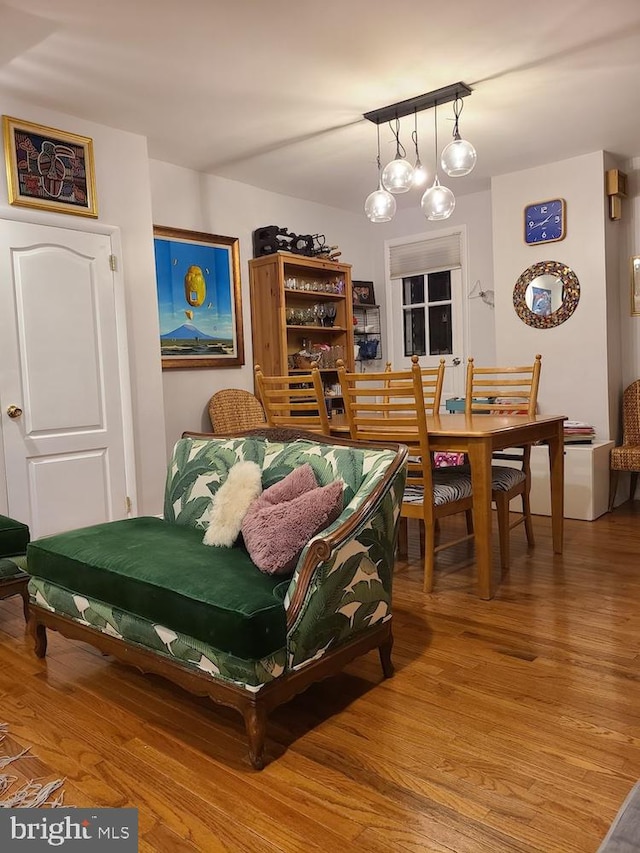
399	176
616	190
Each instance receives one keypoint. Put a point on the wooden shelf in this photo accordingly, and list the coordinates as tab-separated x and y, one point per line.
270	298
311	328
313	294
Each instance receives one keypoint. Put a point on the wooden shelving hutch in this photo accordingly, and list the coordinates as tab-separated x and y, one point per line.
292	299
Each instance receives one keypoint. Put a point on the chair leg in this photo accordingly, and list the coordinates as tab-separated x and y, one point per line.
634	483
403	538
528	524
384	651
429	557
469	516
255	721
25	604
613	486
502	509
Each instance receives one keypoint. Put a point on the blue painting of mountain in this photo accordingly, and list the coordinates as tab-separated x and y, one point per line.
188	332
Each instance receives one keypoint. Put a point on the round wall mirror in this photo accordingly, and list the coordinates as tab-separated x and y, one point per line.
546	294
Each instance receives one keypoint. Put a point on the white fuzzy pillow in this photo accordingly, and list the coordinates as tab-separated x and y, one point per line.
231	502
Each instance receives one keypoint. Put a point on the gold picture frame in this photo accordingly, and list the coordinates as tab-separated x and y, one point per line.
635	285
199	299
49	169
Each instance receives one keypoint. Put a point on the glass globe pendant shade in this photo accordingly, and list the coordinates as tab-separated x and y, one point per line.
397	176
458	158
438	202
420	174
380	206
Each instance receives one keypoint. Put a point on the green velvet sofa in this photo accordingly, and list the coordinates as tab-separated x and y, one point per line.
149	592
14	537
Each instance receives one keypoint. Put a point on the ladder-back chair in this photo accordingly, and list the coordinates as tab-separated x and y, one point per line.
375	416
294	401
432	383
507	391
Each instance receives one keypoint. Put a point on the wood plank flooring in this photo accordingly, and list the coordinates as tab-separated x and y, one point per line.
510	725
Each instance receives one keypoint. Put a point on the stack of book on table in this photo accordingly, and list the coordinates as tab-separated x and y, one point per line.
577	432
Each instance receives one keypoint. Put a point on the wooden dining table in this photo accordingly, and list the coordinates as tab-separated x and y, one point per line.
479	435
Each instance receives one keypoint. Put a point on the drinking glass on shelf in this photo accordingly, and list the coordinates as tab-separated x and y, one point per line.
290	315
320	311
331	311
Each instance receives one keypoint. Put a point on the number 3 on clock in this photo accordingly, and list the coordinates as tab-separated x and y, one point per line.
545	221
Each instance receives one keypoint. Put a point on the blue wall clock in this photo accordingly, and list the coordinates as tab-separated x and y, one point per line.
545	221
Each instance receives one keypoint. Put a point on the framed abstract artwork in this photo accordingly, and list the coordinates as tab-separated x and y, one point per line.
49	169
363	293
199	299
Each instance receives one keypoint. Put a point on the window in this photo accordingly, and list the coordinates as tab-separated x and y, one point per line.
427	312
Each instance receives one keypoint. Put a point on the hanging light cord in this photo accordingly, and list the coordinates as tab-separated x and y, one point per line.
399	146
378	157
435	122
458	106
414	134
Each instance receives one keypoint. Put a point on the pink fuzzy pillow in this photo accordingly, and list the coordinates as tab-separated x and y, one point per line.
299	481
275	533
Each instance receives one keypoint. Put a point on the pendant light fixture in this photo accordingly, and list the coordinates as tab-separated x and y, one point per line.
397	176
438	202
459	156
380	205
419	171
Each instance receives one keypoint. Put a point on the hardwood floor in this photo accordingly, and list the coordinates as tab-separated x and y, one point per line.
510	725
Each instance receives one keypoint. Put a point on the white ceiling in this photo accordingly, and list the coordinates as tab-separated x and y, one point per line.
271	92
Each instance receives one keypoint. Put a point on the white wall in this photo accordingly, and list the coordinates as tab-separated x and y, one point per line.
124	200
185	199
473	211
576	361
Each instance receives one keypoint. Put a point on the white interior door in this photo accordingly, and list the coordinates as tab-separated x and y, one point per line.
426	319
60	391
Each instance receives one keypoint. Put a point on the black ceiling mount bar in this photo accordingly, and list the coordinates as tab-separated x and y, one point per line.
421	102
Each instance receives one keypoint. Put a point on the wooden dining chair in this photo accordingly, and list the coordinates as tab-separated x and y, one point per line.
507	391
375	416
432	384
293	401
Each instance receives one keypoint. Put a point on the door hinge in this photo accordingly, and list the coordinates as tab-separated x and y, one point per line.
113	263
127	504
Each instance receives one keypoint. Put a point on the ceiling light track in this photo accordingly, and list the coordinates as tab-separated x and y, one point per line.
419	103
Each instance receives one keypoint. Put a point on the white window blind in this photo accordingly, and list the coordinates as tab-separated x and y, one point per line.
428	255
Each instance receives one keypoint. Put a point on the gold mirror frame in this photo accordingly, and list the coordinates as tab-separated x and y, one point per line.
570	294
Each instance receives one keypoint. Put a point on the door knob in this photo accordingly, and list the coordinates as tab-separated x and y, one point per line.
14	411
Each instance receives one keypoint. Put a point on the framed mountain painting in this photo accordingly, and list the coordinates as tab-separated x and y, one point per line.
199	299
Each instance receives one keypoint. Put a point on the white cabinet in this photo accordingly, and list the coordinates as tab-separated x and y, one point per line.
586	480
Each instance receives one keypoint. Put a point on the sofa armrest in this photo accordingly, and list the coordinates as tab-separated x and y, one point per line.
343	583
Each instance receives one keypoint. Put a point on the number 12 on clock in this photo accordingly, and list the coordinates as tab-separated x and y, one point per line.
545	221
